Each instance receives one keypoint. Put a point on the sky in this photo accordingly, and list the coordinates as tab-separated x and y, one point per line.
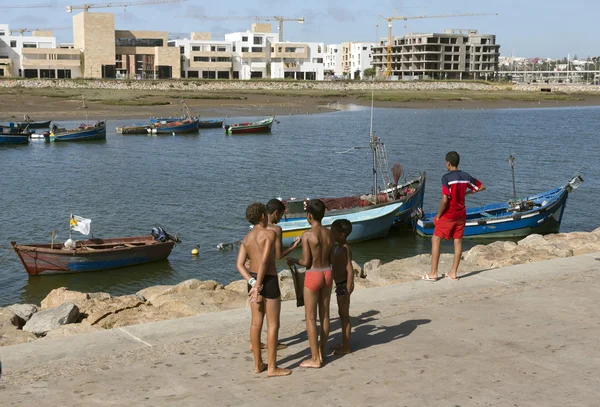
525	28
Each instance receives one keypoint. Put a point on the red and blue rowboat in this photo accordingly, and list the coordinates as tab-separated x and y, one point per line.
92	254
261	126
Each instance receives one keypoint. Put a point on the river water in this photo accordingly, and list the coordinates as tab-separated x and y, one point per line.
199	186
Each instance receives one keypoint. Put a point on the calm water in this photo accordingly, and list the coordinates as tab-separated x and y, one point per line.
198	186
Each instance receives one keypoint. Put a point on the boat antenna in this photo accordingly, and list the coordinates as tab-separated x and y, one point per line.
373	139
511	161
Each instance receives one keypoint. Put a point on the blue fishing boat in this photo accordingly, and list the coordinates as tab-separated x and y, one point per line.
210	124
13	138
185	126
540	214
81	133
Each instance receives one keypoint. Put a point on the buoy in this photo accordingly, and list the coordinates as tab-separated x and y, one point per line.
195	251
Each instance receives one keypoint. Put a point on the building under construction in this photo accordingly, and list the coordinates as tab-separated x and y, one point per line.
454	54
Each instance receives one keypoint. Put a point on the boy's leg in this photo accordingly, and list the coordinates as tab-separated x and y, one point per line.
273	309
310	310
344	311
435	256
258	315
457	256
324	301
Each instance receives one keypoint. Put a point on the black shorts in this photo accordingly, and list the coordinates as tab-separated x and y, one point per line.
270	286
342	288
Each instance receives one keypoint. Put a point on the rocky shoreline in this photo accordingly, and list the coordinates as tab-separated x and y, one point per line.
64	312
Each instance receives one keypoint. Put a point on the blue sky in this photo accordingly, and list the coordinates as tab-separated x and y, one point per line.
531	28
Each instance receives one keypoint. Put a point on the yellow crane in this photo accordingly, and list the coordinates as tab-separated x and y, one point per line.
86	7
24	30
388	70
279	20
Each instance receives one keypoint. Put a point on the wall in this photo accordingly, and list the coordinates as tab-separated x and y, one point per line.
94	34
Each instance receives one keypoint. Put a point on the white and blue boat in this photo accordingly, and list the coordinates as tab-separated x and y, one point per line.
81	133
539	214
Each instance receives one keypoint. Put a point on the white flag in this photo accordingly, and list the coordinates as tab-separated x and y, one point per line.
81	225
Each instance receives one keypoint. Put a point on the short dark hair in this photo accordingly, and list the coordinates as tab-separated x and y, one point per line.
342	225
275	205
453	158
316	208
254	212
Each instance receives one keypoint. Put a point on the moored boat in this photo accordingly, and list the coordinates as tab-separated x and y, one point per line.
81	133
540	214
92	254
132	129
210	124
261	126
14	138
178	127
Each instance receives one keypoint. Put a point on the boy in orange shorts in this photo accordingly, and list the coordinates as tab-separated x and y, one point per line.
452	215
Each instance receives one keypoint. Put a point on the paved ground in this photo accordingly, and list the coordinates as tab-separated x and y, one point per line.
518	336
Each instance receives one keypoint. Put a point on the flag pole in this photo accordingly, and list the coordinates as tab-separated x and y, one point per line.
71	228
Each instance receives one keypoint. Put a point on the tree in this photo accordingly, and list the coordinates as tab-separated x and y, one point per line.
369	72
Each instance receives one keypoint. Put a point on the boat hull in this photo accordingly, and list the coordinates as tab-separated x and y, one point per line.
14	138
166	129
210	124
263	126
367	224
41	259
135	129
92	133
543	221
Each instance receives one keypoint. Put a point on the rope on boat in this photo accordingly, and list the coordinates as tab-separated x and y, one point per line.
6	255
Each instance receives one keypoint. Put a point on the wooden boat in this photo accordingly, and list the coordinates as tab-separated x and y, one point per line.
92	254
260	126
185	126
14	138
133	129
30	125
210	124
540	214
369	220
82	133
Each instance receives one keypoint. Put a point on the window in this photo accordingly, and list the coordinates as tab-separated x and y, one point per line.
1	33
364	48
279	49
213	48
222	49
448	49
234	48
257	49
63	73
222	59
223	75
29	45
13	44
3	56
209	75
195	48
192	74
258	41
139	42
244	39
236	74
30	73
256	75
244	49
201	59
182	50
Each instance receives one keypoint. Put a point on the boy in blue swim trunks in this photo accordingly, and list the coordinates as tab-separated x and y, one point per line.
343	275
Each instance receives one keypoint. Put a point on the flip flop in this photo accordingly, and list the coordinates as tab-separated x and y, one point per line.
454	279
427	278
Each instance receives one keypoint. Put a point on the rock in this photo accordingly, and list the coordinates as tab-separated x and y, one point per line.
370	266
62	295
358	271
285	274
24	311
11	335
99	296
97	309
200	301
72	329
532	241
238	286
8	317
44	321
138	315
151	293
193	284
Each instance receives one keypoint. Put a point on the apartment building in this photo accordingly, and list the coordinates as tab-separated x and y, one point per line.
333	61
453	54
36	56
297	60
356	57
251	51
110	53
202	57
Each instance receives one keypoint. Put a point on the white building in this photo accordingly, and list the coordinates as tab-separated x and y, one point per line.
36	56
297	60
360	58
333	60
204	58
251	51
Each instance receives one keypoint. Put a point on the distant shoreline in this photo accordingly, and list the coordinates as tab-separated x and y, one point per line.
117	100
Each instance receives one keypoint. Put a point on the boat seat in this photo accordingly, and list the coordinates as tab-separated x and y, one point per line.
486	215
133	244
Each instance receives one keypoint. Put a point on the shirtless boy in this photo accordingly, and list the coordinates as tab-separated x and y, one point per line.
317	256
343	275
263	287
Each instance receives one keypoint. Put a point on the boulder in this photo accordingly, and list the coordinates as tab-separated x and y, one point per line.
358	271
200	301
72	329
44	321
8	317
138	315
532	241
151	293
238	286
63	295
193	284
285	274
11	335
99	296
370	266
96	309
24	311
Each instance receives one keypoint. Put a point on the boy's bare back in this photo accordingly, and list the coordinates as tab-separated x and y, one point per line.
254	243
320	243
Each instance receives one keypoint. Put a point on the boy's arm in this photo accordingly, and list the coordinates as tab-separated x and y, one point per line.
266	257
305	260
475	186
278	243
241	261
443	205
349	269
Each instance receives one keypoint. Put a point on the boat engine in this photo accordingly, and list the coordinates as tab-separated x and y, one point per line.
161	235
520	206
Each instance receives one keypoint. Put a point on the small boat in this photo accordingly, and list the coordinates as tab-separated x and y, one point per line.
133	129
185	126
81	133
92	254
28	125
163	120
260	126
210	124
14	138
540	214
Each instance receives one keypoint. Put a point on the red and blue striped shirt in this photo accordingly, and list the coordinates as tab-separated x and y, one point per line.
455	185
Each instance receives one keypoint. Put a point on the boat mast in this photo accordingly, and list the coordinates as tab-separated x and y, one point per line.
373	142
511	161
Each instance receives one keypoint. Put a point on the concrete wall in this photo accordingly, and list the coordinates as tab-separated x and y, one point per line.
168	56
94	34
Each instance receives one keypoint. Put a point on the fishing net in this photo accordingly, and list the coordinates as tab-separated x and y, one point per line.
397	172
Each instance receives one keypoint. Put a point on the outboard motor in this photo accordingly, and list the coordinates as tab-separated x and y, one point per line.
161	235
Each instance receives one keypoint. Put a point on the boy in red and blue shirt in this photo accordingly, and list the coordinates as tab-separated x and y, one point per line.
452	215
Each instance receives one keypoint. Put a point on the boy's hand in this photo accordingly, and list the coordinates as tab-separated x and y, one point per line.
254	292
291	261
297	241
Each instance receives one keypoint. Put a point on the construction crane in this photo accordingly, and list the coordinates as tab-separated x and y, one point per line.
86	7
27	5
279	20
388	70
24	30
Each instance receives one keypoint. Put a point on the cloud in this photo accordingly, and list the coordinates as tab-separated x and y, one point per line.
341	15
195	10
127	17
